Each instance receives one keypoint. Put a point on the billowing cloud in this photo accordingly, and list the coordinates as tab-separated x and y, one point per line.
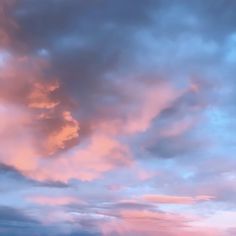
39	96
100	155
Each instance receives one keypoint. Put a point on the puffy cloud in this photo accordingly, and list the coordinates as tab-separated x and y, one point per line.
39	96
27	95
69	131
87	163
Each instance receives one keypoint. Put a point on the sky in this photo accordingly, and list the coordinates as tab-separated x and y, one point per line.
117	118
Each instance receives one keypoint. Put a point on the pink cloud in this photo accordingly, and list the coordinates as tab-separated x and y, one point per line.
100	155
70	130
14	133
39	96
31	119
50	128
167	199
151	101
54	200
152	223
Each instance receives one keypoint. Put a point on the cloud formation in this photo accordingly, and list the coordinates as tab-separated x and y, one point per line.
116	118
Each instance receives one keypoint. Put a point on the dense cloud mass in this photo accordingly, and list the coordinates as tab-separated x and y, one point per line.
116	118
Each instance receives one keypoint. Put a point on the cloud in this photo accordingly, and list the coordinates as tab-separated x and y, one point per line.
39	96
145	222
7	25
68	132
166	199
101	154
10	177
110	102
13	221
178	128
54	201
10	215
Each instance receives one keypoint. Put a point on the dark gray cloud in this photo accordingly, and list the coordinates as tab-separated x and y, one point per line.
85	41
173	147
15	222
9	214
90	44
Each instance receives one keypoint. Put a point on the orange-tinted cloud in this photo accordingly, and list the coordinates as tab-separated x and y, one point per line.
24	85
39	96
70	130
32	120
100	155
